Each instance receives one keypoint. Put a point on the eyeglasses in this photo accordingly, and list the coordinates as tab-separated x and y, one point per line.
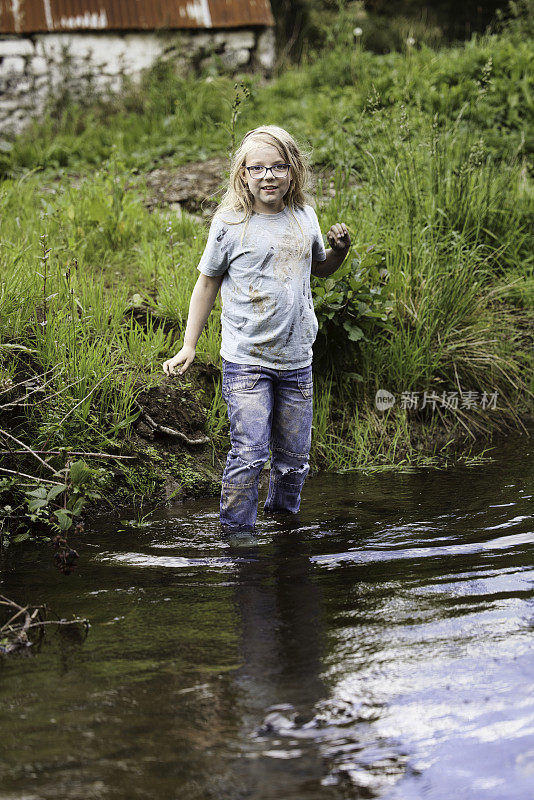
258	171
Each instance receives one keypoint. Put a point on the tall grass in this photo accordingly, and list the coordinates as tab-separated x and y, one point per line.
428	156
176	119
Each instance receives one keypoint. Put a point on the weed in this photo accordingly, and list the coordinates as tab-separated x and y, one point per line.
428	153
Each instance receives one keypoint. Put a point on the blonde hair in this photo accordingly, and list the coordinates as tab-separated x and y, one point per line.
238	197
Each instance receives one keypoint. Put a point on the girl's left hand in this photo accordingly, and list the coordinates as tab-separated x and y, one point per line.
338	237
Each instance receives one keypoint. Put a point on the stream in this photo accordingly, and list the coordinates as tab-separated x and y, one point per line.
377	644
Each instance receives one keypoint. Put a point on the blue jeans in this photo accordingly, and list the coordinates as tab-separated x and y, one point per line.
268	409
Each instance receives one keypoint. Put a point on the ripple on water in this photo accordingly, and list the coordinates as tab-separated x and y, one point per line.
365	554
169	562
382	648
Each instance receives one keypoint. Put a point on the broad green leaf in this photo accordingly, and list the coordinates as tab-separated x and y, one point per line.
64	519
53	492
355	334
79	473
40	493
35	505
78	507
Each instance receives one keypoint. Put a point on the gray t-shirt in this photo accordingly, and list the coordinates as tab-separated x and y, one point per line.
267	308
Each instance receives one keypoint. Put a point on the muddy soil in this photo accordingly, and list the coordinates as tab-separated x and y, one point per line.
170	439
193	187
172	405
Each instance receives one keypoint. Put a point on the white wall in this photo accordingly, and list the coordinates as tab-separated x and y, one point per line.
33	66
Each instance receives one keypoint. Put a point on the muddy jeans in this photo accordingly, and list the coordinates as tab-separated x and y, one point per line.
268	409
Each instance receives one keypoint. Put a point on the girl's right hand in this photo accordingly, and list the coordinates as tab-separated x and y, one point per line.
184	356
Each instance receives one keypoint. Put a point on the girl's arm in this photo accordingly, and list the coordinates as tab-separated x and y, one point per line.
202	300
339	239
334	260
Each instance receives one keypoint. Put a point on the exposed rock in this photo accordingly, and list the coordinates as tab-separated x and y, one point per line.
232	59
172	488
13	64
16	47
235	40
38	66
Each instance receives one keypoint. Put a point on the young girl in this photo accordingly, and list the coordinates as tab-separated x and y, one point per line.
263	243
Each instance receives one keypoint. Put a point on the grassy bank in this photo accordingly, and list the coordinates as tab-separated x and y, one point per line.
428	153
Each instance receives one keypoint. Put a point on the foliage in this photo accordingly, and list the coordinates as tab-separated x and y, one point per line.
176	119
351	305
382	26
424	155
146	479
43	505
47	507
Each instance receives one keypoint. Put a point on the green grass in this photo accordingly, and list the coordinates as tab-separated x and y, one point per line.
487	81
429	151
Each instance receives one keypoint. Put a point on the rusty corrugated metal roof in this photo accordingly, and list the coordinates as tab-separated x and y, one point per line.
34	16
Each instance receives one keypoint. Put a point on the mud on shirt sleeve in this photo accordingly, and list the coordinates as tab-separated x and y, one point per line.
318	248
214	259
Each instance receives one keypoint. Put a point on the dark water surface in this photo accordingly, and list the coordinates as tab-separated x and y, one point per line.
380	645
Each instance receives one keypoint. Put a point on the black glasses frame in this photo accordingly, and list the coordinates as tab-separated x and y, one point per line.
260	177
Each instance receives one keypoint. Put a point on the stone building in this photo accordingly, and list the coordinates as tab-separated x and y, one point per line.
91	45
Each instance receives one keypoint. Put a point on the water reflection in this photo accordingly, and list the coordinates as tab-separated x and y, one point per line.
279	681
378	645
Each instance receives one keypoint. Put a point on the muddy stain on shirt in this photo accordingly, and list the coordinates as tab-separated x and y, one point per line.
268	317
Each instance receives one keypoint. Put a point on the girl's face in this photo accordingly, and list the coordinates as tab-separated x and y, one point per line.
268	192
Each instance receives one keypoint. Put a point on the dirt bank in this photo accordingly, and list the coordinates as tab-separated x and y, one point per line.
170	438
196	187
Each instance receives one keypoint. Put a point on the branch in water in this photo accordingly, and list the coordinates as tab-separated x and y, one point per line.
13	637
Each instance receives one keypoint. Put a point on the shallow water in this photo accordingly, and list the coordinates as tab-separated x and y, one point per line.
378	645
